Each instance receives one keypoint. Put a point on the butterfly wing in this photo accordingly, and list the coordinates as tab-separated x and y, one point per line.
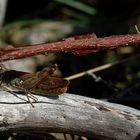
52	86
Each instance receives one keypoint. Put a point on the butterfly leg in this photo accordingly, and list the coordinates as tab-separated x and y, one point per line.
32	96
12	92
28	95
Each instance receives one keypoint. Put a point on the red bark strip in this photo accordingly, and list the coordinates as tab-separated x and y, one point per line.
80	45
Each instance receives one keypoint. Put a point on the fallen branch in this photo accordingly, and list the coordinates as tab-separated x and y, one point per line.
80	45
70	114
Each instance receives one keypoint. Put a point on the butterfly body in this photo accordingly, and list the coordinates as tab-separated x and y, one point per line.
44	82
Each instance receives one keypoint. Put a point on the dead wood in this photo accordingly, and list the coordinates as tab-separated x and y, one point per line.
69	114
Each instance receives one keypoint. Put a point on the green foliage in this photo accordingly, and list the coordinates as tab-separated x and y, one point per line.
79	6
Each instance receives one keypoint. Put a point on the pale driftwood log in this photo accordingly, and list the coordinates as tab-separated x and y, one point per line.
69	114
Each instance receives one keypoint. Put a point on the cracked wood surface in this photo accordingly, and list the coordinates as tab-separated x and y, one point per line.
70	114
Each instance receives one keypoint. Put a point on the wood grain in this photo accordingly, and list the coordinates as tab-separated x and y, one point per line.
69	114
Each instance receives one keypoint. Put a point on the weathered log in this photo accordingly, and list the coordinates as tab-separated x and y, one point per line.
69	114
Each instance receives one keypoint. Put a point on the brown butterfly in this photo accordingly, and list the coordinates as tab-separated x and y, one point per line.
44	82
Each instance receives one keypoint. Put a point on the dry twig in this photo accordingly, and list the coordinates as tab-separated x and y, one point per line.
102	67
